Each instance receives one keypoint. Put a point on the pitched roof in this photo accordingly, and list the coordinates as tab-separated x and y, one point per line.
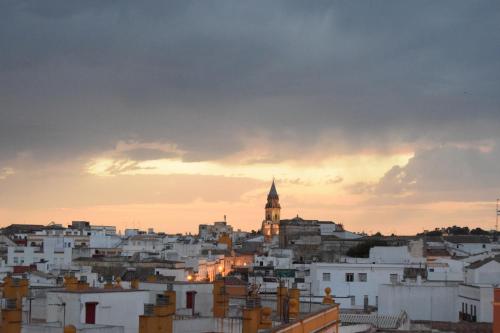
272	192
437	252
467	239
483	262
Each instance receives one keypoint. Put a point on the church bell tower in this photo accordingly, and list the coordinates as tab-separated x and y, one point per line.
270	225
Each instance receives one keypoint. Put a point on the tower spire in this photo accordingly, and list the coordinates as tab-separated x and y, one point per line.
270	225
272	192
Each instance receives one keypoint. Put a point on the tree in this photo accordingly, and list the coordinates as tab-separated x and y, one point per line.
362	250
456	230
479	231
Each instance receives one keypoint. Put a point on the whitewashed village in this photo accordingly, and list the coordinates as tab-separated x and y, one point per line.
293	272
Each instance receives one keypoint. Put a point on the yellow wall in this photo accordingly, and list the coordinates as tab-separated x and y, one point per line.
326	321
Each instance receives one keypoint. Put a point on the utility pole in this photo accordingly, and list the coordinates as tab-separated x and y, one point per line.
495	237
498	213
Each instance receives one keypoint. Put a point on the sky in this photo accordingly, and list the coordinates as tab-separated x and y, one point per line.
380	115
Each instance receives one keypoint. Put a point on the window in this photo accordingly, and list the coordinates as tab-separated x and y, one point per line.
362	277
393	278
349	277
353	299
326	276
431	270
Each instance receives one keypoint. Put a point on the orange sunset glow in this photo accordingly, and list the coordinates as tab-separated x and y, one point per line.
177	117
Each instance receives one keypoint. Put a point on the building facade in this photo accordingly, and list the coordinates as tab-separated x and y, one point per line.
271	223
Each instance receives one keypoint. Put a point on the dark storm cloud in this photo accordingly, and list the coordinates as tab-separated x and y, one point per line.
75	78
446	173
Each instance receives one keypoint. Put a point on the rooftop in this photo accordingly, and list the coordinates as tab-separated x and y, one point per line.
483	262
99	291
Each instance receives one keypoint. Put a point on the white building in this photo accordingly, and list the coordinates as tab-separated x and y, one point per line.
354	285
468	245
187	247
272	261
103	240
116	307
106	229
177	273
131	232
329	228
142	243
430	301
393	255
443	269
475	296
52	258
203	297
4	269
214	231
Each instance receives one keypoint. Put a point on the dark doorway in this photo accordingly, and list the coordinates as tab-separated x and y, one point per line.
190	300
90	312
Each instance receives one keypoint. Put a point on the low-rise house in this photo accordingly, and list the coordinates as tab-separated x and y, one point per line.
142	243
214	231
354	285
421	300
446	270
467	245
475	295
51	258
116	307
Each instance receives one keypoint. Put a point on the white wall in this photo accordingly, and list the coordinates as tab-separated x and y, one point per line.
203	301
179	274
392	255
445	270
101	240
376	275
44	328
120	308
468	248
427	301
186	250
25	256
479	296
489	273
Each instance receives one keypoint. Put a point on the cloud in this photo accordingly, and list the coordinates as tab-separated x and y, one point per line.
74	80
336	180
333	94
446	173
6	172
